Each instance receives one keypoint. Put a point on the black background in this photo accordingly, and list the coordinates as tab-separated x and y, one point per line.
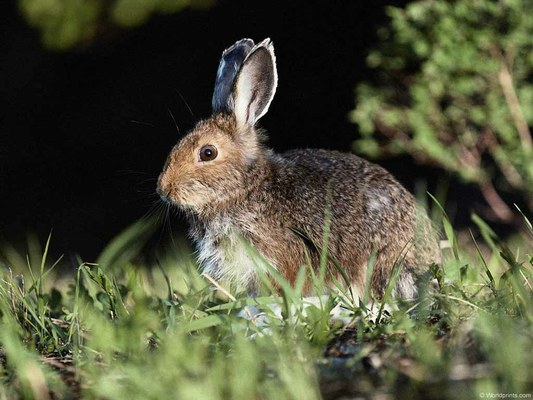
85	133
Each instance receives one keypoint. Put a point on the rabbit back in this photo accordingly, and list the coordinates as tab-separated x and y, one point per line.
370	213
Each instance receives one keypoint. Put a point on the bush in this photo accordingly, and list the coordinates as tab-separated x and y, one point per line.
66	24
455	90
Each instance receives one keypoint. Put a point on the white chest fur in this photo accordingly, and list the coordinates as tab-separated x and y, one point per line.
225	255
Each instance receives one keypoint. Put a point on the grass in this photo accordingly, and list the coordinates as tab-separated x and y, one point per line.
123	328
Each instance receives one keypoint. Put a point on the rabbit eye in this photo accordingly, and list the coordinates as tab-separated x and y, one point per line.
208	153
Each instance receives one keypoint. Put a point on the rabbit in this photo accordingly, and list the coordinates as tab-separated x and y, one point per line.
238	194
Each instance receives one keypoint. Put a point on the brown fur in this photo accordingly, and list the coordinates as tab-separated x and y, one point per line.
281	203
267	198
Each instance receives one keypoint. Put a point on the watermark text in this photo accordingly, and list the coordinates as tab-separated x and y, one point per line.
493	395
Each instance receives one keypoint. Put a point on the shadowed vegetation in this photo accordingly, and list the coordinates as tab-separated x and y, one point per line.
135	329
453	90
67	24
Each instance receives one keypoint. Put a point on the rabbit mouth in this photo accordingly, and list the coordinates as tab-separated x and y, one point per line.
187	196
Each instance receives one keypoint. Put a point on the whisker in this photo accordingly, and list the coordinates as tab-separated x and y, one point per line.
161	221
142	123
147	180
155	208
129	172
185	102
170	226
174	119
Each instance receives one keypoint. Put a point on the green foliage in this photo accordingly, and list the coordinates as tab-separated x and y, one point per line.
68	23
128	330
454	89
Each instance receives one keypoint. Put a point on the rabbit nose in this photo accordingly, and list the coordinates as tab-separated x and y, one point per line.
163	188
163	193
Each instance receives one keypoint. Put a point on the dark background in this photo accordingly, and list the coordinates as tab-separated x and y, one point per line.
85	133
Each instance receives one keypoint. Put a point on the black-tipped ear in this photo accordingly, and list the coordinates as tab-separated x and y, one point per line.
256	84
228	68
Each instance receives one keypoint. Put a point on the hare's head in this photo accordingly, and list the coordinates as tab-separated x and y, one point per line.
211	165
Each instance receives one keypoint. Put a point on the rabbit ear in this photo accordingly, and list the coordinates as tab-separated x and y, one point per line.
256	84
228	68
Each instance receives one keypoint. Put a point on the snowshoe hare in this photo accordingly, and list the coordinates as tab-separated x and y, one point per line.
235	190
